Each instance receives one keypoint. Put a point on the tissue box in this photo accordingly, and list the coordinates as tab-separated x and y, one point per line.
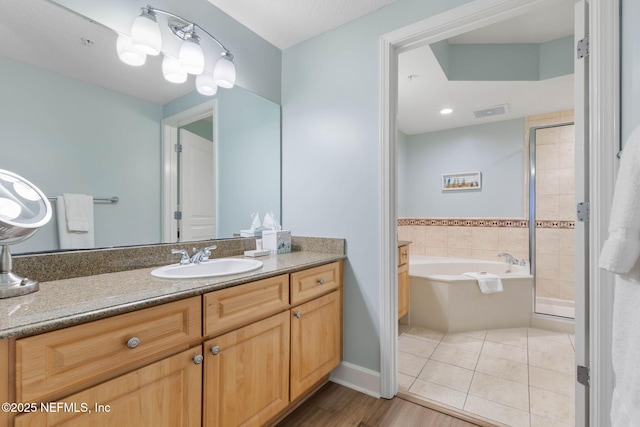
276	241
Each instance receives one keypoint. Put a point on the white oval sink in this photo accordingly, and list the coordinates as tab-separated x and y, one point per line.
210	268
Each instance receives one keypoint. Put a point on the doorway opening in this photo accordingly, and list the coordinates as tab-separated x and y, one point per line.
431	38
189	177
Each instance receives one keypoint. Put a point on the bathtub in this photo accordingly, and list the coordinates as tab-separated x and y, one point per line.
442	298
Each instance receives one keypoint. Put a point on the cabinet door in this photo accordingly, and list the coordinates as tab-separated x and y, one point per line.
316	341
403	290
246	374
164	394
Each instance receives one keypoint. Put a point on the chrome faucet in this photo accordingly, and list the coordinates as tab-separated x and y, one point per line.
510	259
202	254
197	257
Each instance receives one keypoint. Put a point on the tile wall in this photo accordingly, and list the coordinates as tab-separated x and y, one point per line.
478	238
555	201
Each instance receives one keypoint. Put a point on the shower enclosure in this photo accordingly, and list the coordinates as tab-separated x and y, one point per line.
552	217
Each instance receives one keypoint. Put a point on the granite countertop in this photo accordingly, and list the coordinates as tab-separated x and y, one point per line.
68	302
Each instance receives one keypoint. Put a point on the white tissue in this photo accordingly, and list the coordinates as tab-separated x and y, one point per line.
255	221
255	228
271	222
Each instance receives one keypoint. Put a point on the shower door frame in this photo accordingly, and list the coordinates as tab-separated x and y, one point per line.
532	209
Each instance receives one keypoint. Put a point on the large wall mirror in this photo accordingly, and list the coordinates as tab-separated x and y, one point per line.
74	119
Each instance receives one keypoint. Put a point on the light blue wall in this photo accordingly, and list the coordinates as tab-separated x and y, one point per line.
505	62
493	62
331	118
495	149
202	128
556	58
402	153
630	65
114	140
249	144
258	62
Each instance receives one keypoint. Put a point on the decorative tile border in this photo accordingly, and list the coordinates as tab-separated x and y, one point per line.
556	224
482	222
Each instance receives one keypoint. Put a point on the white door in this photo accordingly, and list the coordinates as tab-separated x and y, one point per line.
197	188
581	119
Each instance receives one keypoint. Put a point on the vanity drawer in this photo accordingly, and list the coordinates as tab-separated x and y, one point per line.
62	360
240	305
308	284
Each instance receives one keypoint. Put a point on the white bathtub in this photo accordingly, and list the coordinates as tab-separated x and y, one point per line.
442	298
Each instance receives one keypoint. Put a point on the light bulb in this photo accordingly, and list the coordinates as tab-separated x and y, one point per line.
129	54
191	56
145	33
205	84
172	71
224	74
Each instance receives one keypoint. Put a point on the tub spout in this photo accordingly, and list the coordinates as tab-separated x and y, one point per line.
510	259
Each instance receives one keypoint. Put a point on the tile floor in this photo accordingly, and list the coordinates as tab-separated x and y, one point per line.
519	377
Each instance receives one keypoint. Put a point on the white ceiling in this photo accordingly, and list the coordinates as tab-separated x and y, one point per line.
54	42
422	96
285	23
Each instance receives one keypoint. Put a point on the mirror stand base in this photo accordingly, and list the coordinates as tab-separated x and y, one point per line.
12	285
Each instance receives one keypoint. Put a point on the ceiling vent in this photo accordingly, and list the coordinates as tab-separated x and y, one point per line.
491	111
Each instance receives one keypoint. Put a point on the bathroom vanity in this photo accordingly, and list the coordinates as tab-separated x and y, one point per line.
227	351
403	278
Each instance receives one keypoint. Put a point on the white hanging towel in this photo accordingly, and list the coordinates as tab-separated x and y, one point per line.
620	255
75	221
488	283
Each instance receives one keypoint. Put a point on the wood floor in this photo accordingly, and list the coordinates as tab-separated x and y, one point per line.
337	406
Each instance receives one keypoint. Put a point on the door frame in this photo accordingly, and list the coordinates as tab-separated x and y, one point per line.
170	127
604	115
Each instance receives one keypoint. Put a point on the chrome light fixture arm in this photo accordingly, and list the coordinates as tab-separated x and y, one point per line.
184	31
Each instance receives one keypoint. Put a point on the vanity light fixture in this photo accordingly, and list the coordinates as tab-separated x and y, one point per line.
146	39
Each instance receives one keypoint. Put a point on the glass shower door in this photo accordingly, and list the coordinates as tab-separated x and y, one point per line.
552	213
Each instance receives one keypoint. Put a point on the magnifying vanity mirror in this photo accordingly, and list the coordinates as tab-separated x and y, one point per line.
23	210
75	119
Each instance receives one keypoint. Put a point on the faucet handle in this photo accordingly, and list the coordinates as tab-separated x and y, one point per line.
207	252
202	255
184	259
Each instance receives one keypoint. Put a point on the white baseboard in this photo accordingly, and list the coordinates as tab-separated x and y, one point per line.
357	378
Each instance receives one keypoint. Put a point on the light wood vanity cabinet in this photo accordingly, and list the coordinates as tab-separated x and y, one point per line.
246	374
403	280
236	356
253	373
313	282
166	393
316	341
54	363
233	307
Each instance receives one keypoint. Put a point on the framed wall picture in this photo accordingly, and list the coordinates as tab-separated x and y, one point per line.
461	181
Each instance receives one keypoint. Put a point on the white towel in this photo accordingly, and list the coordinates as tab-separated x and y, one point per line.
78	212
488	283
620	254
81	219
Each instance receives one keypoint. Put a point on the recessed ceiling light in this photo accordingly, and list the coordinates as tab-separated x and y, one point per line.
446	111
